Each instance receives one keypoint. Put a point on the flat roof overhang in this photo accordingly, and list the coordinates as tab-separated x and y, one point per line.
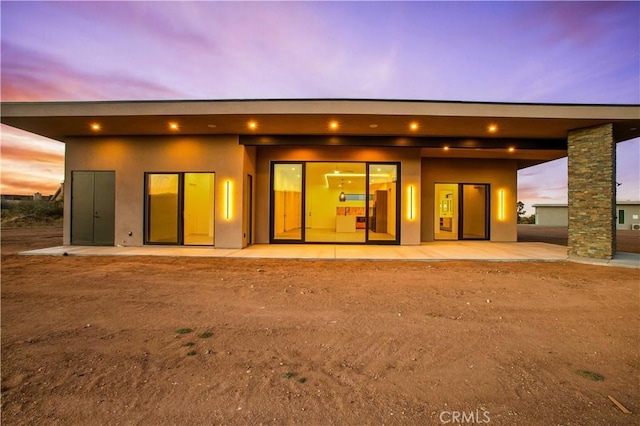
539	129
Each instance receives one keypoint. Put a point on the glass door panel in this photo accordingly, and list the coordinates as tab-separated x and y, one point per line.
335	202
383	202
198	211
287	202
446	211
162	208
474	212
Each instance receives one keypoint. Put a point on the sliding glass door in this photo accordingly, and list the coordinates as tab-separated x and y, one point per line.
180	208
383	202
335	202
287	199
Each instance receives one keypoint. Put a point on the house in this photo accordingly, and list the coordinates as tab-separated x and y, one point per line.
627	215
232	173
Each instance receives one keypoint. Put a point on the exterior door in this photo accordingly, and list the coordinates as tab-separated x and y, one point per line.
461	211
287	223
92	208
180	208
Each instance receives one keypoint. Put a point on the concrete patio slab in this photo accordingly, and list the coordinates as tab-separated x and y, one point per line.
477	250
435	251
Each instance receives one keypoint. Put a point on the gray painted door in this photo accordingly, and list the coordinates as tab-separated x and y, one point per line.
92	208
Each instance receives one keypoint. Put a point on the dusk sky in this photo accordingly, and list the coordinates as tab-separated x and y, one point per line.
546	52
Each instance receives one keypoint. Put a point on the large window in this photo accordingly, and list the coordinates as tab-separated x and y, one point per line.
180	209
335	202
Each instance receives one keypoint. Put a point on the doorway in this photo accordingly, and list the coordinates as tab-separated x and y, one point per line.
93	208
461	211
335	202
180	208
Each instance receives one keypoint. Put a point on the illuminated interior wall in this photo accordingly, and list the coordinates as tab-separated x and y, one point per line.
500	174
199	212
322	201
131	157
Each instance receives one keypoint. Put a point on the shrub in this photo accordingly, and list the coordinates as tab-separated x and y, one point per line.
31	212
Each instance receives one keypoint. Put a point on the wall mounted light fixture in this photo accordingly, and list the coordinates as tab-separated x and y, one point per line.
501	204
227	207
411	207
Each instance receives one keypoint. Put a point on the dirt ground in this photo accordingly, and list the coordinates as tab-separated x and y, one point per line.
94	340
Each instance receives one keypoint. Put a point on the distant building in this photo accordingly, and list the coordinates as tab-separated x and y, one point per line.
627	215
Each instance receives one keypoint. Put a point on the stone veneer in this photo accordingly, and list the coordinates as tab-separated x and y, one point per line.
592	192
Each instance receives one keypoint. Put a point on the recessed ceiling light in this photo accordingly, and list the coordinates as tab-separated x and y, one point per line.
446	148
252	125
95	127
413	126
492	128
511	149
212	126
333	125
373	126
173	125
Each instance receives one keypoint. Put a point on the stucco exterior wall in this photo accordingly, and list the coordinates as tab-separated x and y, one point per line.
409	159
499	174
131	157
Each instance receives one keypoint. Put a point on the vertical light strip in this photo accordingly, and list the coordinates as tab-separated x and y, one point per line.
411	213
227	215
501	204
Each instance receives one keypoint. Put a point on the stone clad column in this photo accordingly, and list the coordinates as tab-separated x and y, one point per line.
592	192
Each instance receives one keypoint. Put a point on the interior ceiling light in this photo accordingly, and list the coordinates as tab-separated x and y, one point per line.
413	126
173	125
212	126
333	125
511	149
95	127
252	125
373	126
342	197
446	147
385	177
492	128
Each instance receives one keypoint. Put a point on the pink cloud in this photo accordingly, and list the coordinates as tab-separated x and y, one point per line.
36	76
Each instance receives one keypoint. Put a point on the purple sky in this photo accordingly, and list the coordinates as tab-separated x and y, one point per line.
569	52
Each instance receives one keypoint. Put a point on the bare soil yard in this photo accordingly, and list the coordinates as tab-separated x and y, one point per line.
104	340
